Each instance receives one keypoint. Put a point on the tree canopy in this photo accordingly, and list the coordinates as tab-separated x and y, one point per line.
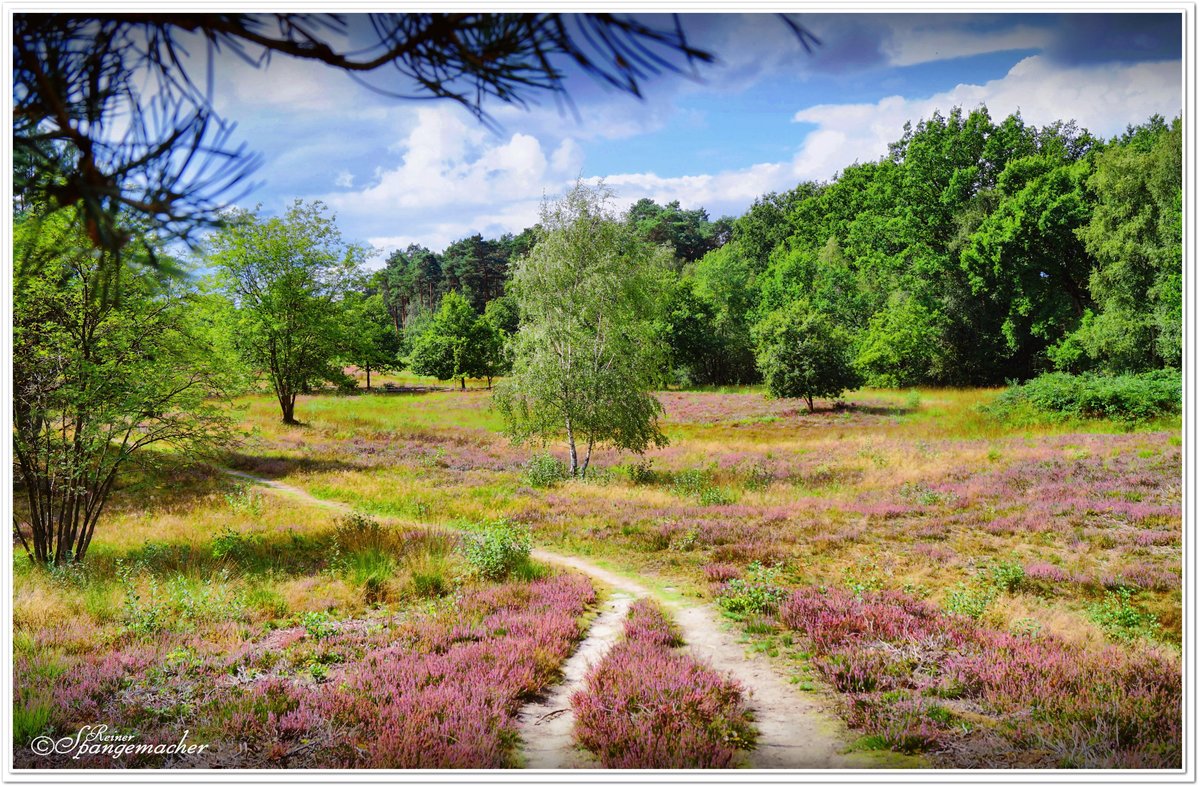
286	277
587	353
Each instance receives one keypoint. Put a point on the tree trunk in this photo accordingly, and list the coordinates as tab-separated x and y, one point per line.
368	377
574	455
587	457
809	399
288	403
463	382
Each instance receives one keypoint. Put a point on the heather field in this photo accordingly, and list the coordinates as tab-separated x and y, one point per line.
954	591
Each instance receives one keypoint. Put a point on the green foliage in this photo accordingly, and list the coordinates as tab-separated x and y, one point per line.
1135	236
318	625
244	499
758	593
29	721
1127	397
287	276
498	548
802	353
371	341
1007	577
234	544
971	601
587	353
1121	619
97	381
457	343
544	470
176	606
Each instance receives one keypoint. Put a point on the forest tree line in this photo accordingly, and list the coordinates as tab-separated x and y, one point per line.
975	252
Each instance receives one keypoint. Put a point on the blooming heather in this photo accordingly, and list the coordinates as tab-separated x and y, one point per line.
648	705
922	680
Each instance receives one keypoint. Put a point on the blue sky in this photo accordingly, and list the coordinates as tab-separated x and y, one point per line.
763	118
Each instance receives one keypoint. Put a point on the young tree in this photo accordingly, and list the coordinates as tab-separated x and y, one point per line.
456	343
96	382
802	353
370	340
587	354
285	276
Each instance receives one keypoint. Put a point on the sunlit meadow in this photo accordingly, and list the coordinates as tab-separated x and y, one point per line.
966	592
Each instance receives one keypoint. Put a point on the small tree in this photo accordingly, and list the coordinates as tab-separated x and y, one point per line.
457	343
370	340
96	382
587	353
802	353
285	276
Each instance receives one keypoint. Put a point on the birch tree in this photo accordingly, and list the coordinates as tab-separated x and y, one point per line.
587	354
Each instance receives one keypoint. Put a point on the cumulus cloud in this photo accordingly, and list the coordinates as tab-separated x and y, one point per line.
453	178
1102	99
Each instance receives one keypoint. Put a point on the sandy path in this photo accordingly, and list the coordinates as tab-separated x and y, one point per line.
794	730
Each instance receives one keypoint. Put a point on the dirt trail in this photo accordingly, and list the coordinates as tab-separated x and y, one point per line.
547	724
794	730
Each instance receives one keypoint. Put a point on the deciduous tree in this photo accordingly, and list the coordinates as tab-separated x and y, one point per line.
286	276
587	354
97	382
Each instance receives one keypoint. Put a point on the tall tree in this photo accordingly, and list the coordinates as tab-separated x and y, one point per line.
98	382
286	276
587	354
1135	235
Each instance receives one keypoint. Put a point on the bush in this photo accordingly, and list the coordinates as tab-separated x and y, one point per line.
1121	619
758	593
1127	397
497	548
234	544
543	470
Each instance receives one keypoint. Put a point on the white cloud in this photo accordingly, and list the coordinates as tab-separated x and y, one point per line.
1103	100
344	179
454	178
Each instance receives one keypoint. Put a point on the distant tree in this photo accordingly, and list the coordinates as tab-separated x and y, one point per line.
370	341
502	312
286	277
1135	234
689	334
802	353
98	382
689	233
457	343
587	354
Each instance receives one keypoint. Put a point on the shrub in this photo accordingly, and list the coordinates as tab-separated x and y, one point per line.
641	472
318	625
970	601
1127	397
757	593
1121	619
497	548
234	544
244	500
544	470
